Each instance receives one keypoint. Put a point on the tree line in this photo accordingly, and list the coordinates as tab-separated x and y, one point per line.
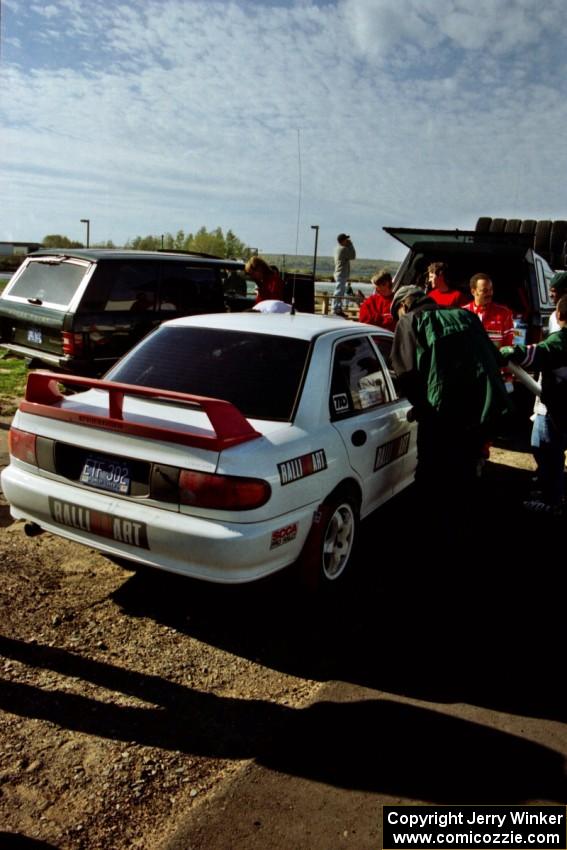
204	241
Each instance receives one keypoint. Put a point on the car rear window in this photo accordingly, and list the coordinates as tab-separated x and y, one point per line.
259	373
49	281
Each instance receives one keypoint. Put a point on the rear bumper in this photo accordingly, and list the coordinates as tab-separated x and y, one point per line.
34	354
223	552
72	365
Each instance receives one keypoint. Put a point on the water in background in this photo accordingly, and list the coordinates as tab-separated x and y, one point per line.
323	287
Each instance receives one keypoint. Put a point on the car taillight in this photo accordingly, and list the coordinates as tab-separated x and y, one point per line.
22	445
225	492
73	344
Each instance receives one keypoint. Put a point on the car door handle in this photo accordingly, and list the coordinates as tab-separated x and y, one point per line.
359	438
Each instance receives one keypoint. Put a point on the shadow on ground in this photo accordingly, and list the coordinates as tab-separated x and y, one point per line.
450	605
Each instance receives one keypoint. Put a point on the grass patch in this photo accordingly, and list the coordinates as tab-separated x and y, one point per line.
13	376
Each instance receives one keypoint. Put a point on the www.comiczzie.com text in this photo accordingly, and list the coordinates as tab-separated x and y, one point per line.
475	827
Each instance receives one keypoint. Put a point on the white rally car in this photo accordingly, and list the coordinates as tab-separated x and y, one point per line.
223	447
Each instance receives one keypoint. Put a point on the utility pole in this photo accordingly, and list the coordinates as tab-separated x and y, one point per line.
315	227
87	221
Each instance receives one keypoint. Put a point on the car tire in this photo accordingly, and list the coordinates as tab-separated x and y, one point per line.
528	226
339	539
497	225
483	224
513	225
326	561
557	240
541	238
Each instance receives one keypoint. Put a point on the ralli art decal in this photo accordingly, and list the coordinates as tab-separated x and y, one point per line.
300	467
99	523
391	451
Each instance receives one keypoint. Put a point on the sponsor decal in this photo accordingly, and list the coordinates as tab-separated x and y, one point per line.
340	403
391	451
99	523
300	467
283	535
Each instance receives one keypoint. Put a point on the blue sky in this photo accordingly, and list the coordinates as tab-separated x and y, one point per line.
147	116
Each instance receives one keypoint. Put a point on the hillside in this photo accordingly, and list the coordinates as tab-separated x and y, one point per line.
361	269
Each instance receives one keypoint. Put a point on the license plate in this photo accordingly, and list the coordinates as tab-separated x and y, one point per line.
106	474
34	335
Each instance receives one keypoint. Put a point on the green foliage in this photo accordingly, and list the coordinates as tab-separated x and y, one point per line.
11	262
202	242
228	245
13	376
56	240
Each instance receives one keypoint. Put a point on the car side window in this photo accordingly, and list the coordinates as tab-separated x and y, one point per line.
358	382
130	286
190	289
384	346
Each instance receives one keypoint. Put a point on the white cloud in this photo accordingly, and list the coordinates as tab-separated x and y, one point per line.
382	28
178	114
49	11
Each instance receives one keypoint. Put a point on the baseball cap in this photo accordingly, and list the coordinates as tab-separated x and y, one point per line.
401	294
559	280
342	236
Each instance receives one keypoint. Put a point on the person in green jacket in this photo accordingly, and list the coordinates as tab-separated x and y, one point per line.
448	369
549	432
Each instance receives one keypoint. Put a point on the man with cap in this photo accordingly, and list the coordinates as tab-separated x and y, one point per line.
448	369
557	288
344	253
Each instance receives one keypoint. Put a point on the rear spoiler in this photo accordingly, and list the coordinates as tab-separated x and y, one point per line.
43	397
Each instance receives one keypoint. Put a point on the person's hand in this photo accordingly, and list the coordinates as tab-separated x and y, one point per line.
507	352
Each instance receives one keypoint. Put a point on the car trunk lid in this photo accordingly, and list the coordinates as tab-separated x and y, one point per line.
428	240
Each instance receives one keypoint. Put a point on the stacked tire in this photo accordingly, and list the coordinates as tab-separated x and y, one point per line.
548	237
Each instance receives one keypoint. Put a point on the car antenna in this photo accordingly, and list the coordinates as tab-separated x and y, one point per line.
299	190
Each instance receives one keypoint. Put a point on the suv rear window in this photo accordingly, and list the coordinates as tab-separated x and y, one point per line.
49	281
259	373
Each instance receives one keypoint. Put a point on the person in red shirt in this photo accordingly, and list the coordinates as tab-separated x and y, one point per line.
440	289
377	308
497	320
267	279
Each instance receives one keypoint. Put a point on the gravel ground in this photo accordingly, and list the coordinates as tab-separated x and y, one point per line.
127	697
121	691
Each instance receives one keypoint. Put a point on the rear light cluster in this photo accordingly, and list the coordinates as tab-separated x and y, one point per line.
73	344
223	492
184	486
22	445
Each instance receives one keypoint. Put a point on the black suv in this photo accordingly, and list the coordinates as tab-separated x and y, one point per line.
81	310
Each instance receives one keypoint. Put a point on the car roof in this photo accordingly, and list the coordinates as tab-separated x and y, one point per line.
95	254
305	326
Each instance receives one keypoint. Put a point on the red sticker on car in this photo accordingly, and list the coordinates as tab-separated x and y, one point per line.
284	535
